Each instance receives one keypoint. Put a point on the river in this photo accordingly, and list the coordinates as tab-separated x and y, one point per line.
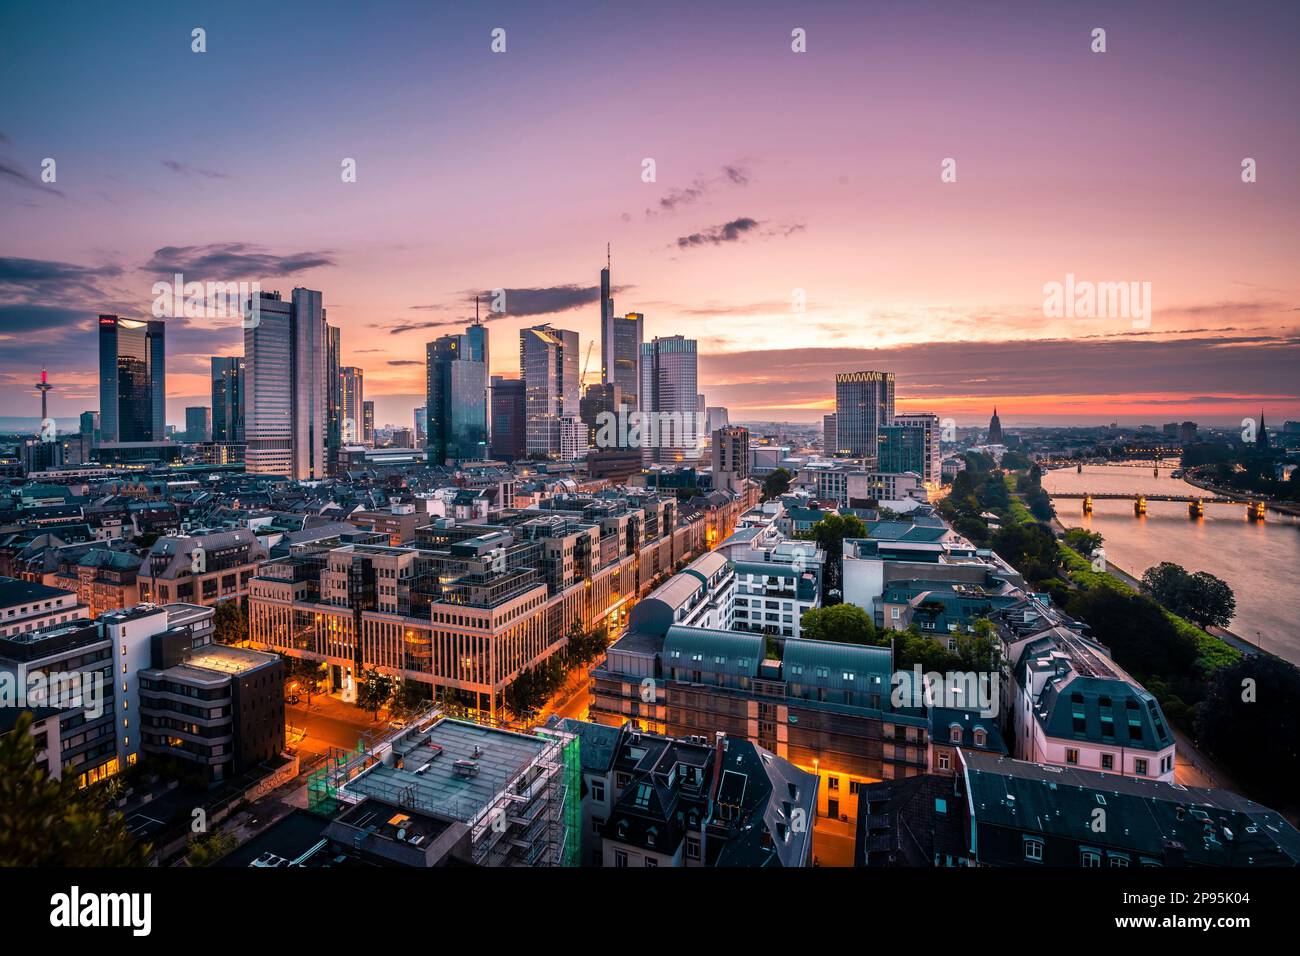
1256	558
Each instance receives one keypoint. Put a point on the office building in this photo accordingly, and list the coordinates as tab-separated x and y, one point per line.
334	398
351	404
829	446
198	423
287	398
456	397
669	376
201	569
601	403
864	401
548	365
132	380
730	457
422	426
228	398
931	458
509	419
368	424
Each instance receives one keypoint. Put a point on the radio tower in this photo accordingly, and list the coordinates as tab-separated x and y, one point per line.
43	386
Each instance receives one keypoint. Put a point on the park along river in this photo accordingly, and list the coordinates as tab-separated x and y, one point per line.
1257	559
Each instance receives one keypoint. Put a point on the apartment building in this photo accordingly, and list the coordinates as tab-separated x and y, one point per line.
26	606
650	801
201	568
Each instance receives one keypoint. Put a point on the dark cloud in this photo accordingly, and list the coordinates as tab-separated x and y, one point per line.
30	278
23	319
15	173
405	362
226	261
716	235
733	174
185	169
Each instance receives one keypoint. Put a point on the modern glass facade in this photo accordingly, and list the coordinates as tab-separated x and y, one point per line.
669	379
902	448
548	364
227	398
132	380
456	397
864	402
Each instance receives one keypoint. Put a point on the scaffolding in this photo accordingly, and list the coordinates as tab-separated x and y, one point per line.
566	832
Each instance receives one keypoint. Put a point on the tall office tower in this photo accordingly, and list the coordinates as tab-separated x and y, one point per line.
478	348
864	401
902	448
198	423
509	419
717	417
368	424
574	443
89	434
829	443
333	397
132	380
548	364
669	377
995	428
421	425
228	398
730	457
932	458
352	387
600	399
286	405
620	345
456	398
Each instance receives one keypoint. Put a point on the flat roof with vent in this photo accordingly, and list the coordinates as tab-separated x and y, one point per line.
435	775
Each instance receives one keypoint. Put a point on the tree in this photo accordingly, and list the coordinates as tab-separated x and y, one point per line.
1201	597
1040	504
209	848
1015	461
1140	637
975	529
47	822
1083	540
1249	721
842	623
777	483
1029	548
375	691
830	533
993	494
230	622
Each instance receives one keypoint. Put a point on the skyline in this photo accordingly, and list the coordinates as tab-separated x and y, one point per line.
1117	167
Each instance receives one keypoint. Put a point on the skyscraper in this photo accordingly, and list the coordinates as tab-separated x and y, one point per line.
132	380
456	397
927	424
548	365
620	344
286	408
198	423
864	401
669	379
829	442
421	426
228	398
334	397
509	419
368	424
352	389
478	348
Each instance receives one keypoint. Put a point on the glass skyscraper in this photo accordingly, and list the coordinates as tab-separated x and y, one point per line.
456	387
669	379
864	402
227	398
132	380
548	365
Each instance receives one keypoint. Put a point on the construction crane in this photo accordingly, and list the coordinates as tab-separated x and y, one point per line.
586	364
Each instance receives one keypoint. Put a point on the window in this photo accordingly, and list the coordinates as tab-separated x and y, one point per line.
692	848
1090	858
596	824
620	858
1140	766
954	734
943	760
1034	850
1118	859
598	790
980	737
651	861
1071	756
1107	761
833	783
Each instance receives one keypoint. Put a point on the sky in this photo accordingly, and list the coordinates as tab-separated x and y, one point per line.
797	223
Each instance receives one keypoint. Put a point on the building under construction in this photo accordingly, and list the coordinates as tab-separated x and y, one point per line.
451	791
